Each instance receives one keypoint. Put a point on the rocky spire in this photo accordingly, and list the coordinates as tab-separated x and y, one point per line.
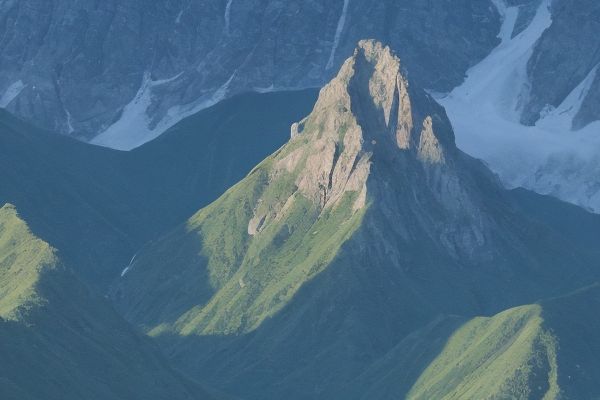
367	110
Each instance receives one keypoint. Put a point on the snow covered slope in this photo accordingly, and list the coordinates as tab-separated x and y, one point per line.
134	127
485	111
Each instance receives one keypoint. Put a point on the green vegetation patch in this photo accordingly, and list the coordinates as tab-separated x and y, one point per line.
22	259
255	276
510	355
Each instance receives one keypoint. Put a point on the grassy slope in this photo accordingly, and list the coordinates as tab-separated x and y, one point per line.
251	278
99	206
58	341
510	355
22	260
341	320
548	350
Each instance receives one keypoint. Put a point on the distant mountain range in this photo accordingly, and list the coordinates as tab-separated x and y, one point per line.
120	74
526	108
123	72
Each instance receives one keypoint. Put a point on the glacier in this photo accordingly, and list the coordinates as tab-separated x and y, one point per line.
549	158
134	127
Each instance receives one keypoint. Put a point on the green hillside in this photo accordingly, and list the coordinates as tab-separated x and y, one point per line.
98	206
24	258
547	350
58	341
510	355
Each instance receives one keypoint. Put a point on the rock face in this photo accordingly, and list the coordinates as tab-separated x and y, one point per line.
362	229
567	53
129	70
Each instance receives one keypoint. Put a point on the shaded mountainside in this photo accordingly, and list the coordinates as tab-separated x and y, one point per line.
61	60
362	229
59	341
98	206
546	350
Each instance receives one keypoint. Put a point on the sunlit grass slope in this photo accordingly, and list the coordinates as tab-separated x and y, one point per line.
548	350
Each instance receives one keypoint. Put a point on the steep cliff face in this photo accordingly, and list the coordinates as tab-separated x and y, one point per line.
129	70
361	229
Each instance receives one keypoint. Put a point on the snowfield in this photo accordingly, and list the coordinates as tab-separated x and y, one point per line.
134	128
550	157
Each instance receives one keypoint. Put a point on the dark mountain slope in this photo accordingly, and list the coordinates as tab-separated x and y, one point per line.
99	206
59	341
362	229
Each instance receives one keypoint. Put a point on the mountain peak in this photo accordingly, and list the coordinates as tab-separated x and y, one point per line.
372	87
374	155
367	112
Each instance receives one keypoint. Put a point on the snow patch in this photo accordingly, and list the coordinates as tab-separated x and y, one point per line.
562	116
485	113
177	113
70	128
128	267
133	128
178	18
338	34
268	89
227	15
11	93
